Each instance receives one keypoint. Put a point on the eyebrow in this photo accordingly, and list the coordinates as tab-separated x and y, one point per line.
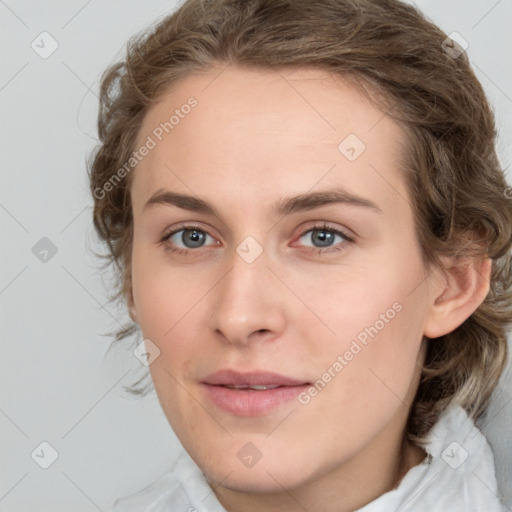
287	206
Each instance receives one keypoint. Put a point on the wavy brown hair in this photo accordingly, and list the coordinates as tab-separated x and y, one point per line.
402	62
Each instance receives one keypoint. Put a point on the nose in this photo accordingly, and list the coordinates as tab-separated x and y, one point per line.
247	303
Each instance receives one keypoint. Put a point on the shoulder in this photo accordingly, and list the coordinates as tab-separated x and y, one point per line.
464	463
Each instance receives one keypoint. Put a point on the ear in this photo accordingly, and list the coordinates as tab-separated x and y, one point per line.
463	286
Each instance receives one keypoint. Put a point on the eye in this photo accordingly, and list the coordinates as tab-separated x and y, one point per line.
324	236
188	237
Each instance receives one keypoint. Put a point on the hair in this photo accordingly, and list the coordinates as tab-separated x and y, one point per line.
401	61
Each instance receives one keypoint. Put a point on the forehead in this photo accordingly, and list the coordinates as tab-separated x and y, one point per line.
266	130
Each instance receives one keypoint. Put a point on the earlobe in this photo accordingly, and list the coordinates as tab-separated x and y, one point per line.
466	284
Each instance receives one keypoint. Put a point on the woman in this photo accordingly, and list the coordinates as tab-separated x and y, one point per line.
313	235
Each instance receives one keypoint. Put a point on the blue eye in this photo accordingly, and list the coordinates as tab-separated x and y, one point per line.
322	237
191	238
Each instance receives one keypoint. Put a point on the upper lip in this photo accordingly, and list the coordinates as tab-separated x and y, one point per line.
230	377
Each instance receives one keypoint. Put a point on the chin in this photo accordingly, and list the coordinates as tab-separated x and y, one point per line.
268	475
264	481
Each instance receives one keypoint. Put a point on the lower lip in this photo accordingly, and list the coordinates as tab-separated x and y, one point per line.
250	402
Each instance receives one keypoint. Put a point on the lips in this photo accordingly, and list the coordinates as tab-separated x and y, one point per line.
233	378
251	393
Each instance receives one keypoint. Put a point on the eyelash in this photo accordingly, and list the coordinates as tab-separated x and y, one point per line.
315	250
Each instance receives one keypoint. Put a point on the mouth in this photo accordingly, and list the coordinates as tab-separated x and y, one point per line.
254	387
251	394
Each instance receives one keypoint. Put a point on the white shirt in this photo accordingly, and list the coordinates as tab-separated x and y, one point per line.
458	475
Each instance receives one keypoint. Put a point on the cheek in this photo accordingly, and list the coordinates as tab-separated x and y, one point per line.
368	376
376	349
171	313
372	306
378	330
163	295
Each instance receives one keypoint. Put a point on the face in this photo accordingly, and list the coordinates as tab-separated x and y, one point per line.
275	267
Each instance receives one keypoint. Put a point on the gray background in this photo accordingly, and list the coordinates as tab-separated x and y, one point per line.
56	386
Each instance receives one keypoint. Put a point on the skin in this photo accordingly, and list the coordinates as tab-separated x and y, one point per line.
255	138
